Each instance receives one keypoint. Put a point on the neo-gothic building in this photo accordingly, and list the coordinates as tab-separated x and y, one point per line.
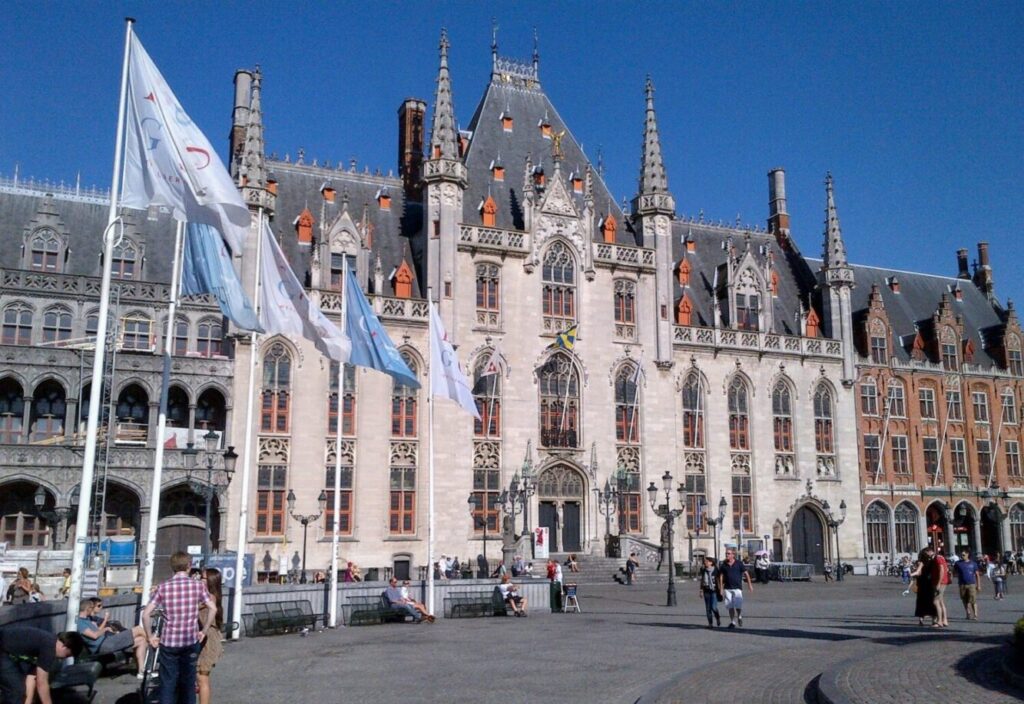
719	354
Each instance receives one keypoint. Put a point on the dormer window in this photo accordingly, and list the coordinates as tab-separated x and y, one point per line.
489	211
748	308
894	284
384	199
328	193
506	121
949	358
304	227
684	311
684	272
538	177
45	251
401	280
545	127
125	260
813	328
608	228
497	171
577	183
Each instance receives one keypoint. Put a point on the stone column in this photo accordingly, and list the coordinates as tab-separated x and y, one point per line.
191	422
151	424
227	426
922	530
142	532
26	418
70	417
1005	534
977	532
560	523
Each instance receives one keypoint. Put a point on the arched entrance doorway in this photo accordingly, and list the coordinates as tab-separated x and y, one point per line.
935	516
808	535
561	491
991	534
965	521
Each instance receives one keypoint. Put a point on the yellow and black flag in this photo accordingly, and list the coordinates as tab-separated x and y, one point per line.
566	340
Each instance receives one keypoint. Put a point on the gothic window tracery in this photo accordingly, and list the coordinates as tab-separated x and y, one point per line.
559	402
56	324
488	294
277	378
559	286
625	309
17	325
45	248
487	395
124	262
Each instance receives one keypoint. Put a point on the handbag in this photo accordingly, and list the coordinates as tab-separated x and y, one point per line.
913	585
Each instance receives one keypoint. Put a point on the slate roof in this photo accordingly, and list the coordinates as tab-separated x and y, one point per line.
298	187
83	221
489	141
912	308
796	279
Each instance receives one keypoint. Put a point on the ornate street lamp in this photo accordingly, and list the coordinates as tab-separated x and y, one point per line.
607	503
670	515
528	489
716	523
305	520
54	517
209	489
833	524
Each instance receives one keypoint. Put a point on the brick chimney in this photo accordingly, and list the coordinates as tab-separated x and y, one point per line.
983	274
963	268
239	116
778	217
410	146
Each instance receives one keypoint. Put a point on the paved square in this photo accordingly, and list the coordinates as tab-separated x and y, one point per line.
626	646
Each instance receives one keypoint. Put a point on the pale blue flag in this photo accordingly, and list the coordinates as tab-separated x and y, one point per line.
207	268
371	346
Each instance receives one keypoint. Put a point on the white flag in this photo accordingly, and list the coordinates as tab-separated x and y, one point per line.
493	365
446	379
170	163
285	309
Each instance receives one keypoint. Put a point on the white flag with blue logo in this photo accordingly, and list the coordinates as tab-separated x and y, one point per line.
170	163
446	379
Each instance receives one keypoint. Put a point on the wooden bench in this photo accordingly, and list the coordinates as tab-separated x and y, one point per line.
475	604
81	674
279	617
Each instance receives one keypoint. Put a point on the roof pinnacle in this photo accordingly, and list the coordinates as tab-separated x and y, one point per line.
834	253
652	168
443	136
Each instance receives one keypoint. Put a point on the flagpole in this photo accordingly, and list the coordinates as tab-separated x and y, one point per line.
243	502
92	424
430	461
333	608
158	462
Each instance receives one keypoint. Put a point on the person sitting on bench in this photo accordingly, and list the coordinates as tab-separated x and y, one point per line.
510	594
100	638
394	600
406	586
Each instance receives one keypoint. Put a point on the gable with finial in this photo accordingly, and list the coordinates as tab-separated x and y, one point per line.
557	200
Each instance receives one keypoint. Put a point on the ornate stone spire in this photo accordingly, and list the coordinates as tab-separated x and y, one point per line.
253	171
834	254
444	138
652	168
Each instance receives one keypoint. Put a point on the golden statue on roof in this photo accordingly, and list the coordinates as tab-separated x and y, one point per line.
556	144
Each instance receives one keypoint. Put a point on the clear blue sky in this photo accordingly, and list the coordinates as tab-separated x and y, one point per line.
916	108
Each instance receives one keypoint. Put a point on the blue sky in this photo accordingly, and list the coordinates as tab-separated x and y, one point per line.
916	108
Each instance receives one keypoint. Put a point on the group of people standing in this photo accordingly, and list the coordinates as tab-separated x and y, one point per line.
930	575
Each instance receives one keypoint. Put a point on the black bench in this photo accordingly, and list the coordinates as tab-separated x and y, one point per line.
369	610
81	674
279	617
475	604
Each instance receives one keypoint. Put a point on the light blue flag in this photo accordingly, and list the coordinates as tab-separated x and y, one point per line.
371	346
208	269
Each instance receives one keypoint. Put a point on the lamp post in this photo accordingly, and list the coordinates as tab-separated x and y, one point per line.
56	516
209	489
305	520
607	503
513	500
833	524
529	488
716	523
670	515
476	506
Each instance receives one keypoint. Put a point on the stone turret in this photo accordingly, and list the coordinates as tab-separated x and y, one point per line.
653	210
837	283
252	167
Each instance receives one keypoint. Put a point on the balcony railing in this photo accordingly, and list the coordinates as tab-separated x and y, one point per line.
717	338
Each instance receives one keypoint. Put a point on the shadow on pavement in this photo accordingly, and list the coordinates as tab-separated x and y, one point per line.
771	633
984	668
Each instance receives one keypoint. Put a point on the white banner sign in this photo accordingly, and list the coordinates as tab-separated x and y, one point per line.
541	549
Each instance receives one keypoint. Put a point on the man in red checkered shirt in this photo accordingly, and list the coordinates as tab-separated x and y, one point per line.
182	636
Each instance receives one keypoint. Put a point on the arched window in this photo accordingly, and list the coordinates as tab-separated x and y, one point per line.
125	260
177	407
48	411
12	411
17	325
136	332
404	405
739	416
877	520
693	413
180	346
823	421
782	417
488	294
559	281
92	324
684	311
210	411
1009	404
906	529
1016	517
132	413
627	404
979	403
22	527
348	403
897	400
625	309
45	248
559	402
56	325
277	383
868	397
210	338
487	395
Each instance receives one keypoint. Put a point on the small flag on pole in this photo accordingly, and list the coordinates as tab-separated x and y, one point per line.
371	346
446	379
566	340
285	309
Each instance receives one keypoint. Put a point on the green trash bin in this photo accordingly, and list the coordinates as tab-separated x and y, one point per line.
556	597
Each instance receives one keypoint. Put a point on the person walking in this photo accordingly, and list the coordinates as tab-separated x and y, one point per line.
940	573
731	574
999	580
32	652
631	564
828	570
905	570
921	576
183	633
213	646
968	576
709	591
